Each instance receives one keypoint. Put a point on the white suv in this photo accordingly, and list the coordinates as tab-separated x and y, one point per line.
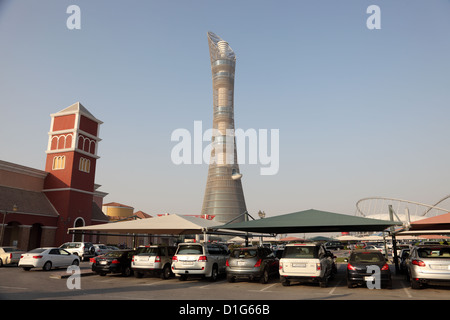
306	262
155	259
82	249
192	259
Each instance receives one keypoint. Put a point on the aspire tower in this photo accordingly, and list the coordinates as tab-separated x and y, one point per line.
224	197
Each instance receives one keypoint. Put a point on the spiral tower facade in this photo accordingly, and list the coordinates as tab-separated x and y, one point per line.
224	197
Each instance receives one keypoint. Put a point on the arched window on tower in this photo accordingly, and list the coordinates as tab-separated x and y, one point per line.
59	162
85	165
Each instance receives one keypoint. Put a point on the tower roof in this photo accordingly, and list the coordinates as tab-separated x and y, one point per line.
77	107
219	48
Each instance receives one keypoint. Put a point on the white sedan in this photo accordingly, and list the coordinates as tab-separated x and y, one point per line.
47	258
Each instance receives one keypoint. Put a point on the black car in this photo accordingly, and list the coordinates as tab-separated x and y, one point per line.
117	261
364	266
334	245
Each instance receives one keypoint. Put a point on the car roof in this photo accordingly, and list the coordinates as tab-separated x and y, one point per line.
311	244
365	251
432	245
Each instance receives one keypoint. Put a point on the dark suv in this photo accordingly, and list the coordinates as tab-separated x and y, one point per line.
252	263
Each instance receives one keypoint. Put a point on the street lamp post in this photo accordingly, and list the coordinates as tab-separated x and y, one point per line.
3	224
261	215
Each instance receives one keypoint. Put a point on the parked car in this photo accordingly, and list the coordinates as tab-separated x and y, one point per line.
47	258
9	255
84	250
117	261
100	249
377	247
156	259
428	264
252	263
334	245
358	272
194	259
403	258
306	262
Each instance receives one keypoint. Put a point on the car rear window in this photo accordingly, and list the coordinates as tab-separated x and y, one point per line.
150	252
439	253
37	250
300	252
190	249
244	253
114	254
366	257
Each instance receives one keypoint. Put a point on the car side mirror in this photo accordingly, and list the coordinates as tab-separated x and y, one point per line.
345	260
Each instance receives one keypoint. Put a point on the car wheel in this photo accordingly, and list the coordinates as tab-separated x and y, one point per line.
127	272
138	274
323	282
27	268
415	284
214	273
265	277
1	263
182	277
47	266
349	284
389	284
165	274
76	262
230	278
285	282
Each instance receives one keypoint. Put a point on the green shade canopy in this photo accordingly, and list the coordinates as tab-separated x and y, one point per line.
310	221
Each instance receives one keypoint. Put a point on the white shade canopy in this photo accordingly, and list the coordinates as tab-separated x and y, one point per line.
169	224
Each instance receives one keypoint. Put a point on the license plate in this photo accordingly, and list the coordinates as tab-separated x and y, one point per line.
241	263
299	265
103	262
369	278
188	263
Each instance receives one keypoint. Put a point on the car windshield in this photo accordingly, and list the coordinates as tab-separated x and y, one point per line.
190	249
151	252
244	253
440	253
366	257
7	249
300	252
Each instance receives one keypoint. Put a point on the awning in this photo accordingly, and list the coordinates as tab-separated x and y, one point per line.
439	222
169	224
311	221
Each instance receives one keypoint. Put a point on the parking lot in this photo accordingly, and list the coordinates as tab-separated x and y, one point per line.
36	284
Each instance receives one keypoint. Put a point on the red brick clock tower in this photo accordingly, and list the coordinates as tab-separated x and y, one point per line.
71	160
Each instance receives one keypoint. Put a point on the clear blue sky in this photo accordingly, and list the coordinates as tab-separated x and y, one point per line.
360	112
